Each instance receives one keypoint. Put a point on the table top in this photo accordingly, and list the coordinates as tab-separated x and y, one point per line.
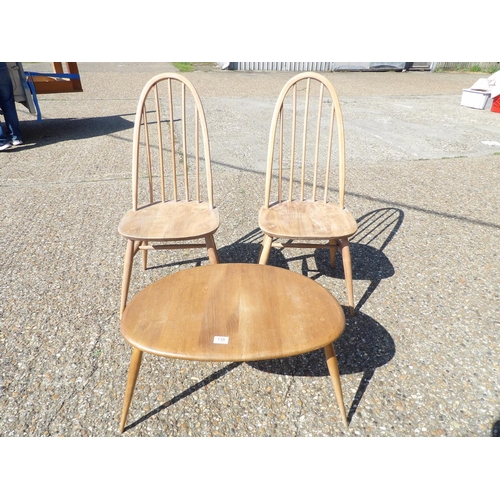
232	312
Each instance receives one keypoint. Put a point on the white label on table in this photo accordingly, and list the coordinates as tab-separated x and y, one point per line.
221	340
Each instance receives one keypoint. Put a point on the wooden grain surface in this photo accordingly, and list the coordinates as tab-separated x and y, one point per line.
170	221
264	311
306	220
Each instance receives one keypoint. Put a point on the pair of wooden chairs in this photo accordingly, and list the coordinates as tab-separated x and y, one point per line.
171	141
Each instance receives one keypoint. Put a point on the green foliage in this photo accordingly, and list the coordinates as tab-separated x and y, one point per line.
185	67
466	68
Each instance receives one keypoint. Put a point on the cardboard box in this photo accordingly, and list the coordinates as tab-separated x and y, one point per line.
474	98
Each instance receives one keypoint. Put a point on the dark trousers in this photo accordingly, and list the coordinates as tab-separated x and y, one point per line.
8	106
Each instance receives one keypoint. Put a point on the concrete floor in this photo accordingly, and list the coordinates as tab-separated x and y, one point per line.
421	356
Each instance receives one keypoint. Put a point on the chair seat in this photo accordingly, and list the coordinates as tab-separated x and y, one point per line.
171	220
307	220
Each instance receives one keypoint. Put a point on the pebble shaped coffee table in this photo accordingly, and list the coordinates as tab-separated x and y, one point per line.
232	312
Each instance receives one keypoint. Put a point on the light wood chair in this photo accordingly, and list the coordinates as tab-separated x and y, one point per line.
170	151
300	179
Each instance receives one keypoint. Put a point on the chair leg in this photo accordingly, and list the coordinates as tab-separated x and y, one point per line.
346	259
144	257
213	255
333	368
133	371
266	249
127	271
333	251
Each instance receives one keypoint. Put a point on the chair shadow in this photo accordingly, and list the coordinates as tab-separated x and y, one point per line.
54	130
376	229
368	264
247	250
364	346
495	430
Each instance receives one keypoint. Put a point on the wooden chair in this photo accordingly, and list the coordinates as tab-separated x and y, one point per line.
170	132
299	175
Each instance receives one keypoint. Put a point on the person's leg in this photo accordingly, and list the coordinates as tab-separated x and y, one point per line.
8	106
4	138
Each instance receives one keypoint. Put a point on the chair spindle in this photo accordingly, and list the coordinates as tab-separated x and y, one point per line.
160	142
316	154
172	138
184	140
148	155
294	129
304	141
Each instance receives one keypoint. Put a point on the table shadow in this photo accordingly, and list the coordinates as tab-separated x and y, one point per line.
364	346
183	394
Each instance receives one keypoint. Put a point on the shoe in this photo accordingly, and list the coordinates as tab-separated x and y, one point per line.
17	142
5	145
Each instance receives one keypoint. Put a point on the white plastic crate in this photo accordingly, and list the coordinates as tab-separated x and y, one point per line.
474	98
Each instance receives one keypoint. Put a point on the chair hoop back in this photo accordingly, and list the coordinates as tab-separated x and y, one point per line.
304	140
170	127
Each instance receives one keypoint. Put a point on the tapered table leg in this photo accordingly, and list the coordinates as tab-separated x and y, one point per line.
333	368
135	364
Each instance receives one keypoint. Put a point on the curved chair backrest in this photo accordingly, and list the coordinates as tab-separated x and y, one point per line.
170	130
301	145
